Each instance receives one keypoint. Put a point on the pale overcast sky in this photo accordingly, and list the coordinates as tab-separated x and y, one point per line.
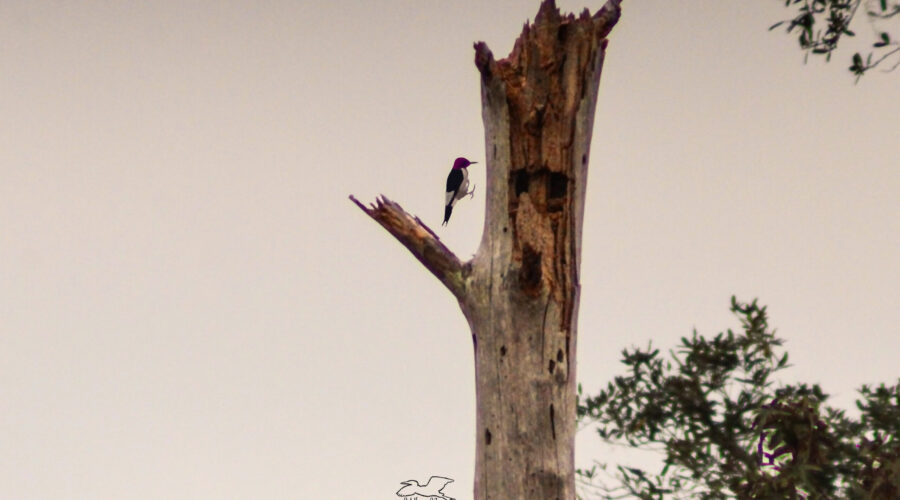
191	308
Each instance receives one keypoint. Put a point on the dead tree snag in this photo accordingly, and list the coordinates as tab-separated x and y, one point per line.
520	291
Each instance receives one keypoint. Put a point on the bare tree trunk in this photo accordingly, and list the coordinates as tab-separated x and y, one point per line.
520	291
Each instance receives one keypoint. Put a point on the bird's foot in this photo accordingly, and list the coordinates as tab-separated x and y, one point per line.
472	192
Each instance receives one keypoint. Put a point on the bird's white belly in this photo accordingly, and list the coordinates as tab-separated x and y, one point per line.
464	187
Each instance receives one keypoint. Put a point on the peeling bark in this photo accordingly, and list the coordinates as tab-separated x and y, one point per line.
520	291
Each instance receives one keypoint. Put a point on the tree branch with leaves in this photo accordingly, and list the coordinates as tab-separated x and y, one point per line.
725	430
820	25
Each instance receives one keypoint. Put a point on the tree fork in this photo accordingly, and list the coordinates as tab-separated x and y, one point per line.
520	291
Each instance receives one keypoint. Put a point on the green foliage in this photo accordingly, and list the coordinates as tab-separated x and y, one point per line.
821	24
726	432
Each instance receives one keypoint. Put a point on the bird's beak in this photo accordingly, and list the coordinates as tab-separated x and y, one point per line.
472	162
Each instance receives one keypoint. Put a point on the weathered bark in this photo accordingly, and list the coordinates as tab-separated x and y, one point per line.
520	291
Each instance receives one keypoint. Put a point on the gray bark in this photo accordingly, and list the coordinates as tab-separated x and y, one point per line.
520	291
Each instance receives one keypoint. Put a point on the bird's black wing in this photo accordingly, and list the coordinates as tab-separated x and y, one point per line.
454	181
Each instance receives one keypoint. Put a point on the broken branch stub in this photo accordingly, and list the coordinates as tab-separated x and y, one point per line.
420	240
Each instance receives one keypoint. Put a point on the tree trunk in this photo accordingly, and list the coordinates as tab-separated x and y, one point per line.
520	291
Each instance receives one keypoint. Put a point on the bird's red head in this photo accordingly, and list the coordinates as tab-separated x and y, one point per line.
462	163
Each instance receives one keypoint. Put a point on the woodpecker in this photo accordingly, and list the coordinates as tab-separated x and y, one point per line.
457	184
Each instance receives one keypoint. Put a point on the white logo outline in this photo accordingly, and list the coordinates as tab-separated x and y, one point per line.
433	488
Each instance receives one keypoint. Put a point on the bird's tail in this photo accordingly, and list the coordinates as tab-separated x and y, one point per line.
447	211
